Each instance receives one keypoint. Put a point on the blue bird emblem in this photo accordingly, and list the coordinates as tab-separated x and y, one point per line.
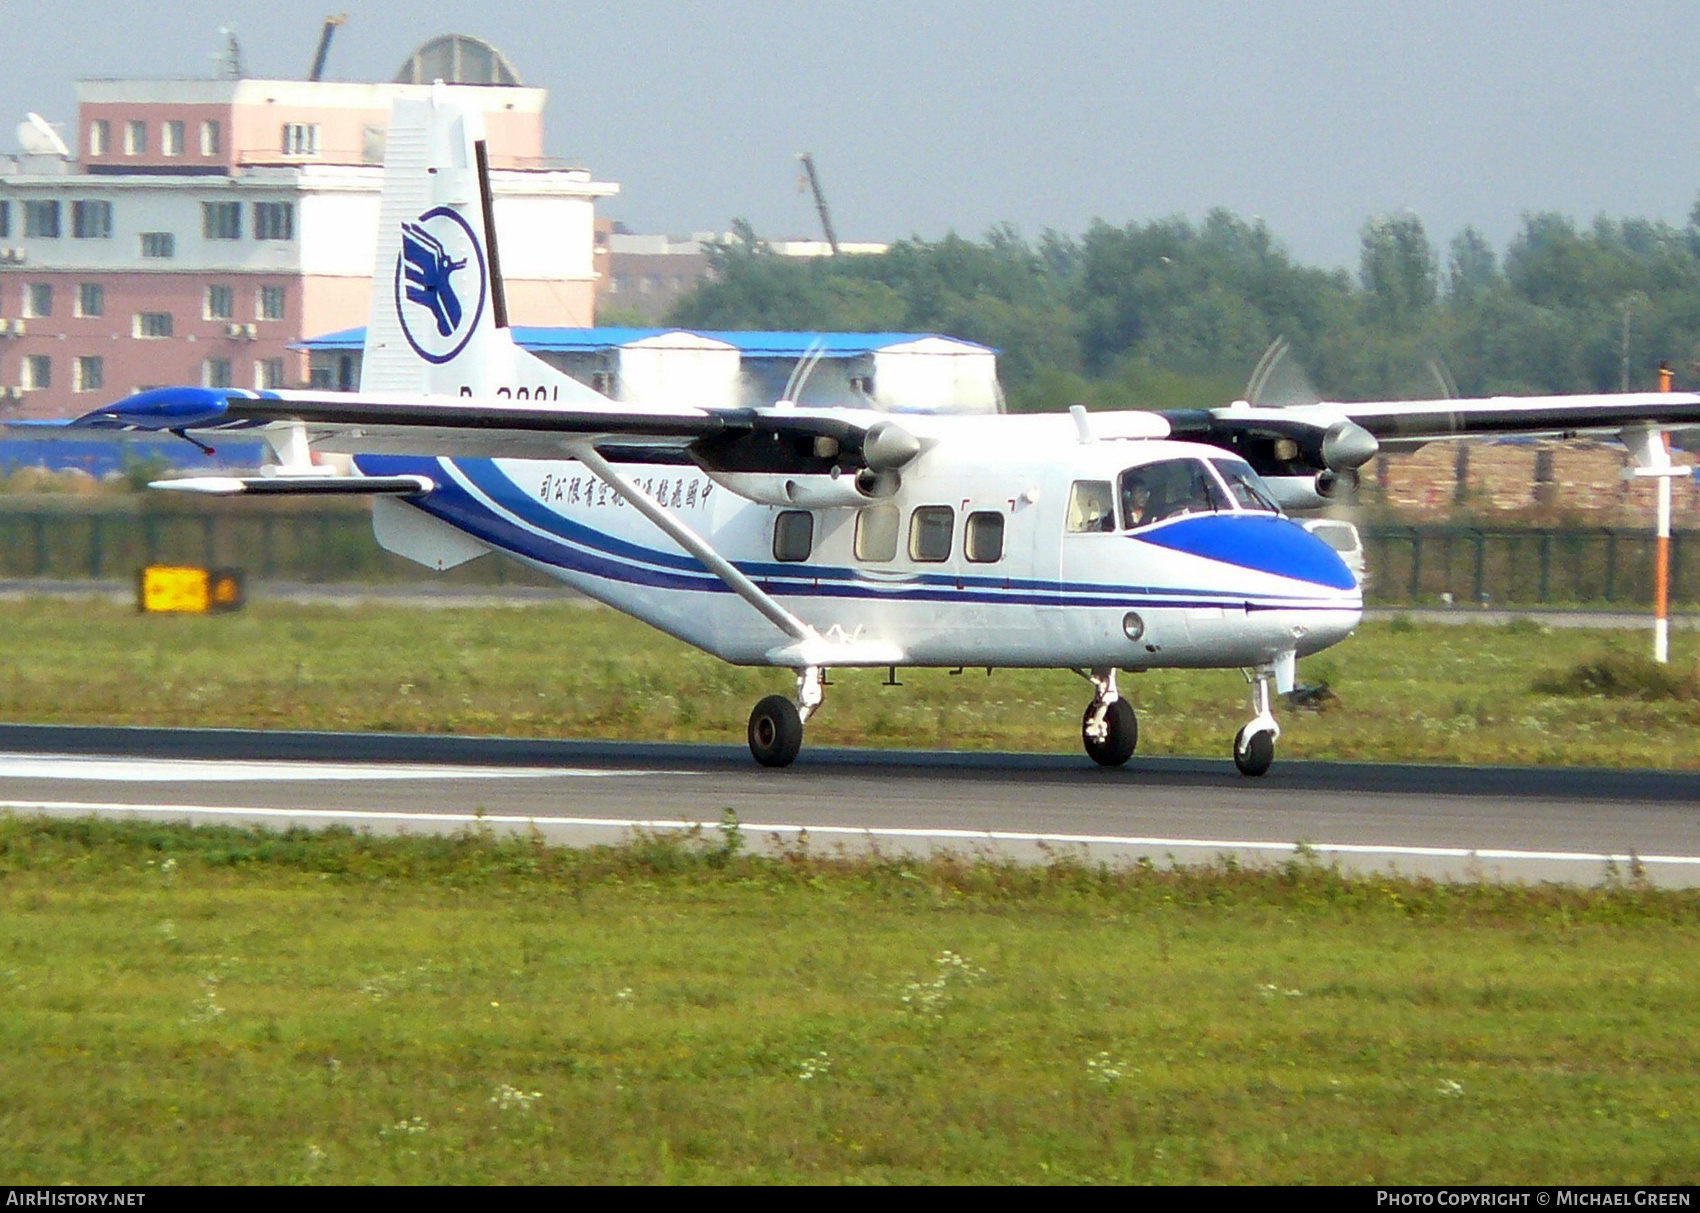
428	269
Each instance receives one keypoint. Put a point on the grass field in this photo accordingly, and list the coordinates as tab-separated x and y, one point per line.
1405	691
219	1006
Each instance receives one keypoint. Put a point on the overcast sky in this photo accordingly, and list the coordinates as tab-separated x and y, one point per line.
932	115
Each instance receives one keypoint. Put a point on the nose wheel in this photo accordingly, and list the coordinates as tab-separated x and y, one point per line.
1254	745
1110	729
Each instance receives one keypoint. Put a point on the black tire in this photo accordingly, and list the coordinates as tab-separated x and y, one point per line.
1254	755
1121	740
776	732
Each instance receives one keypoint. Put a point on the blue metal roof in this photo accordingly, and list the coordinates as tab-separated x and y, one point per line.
750	345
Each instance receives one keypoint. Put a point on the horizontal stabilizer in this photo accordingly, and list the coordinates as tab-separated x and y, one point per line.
300	486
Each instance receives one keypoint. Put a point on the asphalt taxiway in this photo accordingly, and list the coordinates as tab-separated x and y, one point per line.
1528	824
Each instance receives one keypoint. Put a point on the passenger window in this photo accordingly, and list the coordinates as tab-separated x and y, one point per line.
983	540
1163	490
931	529
876	533
793	535
1090	507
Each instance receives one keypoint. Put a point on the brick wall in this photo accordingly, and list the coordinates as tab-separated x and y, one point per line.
1546	480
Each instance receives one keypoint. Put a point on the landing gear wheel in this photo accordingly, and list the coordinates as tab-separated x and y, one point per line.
1121	734
1255	754
776	732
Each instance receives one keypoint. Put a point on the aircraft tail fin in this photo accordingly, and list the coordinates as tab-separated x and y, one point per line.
438	317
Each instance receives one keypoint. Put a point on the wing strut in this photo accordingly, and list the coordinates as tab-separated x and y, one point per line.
693	543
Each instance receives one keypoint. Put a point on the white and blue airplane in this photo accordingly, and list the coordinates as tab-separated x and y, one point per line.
809	538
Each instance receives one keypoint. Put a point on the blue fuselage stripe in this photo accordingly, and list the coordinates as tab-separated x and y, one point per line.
538	533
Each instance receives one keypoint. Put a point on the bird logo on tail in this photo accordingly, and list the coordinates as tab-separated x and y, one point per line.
434	249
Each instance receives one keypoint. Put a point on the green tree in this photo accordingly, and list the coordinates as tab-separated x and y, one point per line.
1397	268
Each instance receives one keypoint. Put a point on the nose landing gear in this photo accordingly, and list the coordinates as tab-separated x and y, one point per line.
1110	728
1254	745
776	724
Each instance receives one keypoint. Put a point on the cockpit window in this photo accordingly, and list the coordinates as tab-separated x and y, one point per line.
1090	507
1162	490
1247	486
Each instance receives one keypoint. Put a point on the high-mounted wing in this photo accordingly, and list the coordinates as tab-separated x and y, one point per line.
1311	452
748	450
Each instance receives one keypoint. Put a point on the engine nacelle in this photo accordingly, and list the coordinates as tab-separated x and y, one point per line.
809	463
1313	492
809	491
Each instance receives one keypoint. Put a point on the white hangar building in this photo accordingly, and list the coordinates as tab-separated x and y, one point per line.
890	372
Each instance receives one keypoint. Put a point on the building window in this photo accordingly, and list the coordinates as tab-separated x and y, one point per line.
5	220
91	220
171	138
91	299
274	221
100	137
221	303
159	244
216	373
931	529
38	299
268	373
271	303
37	372
41	219
153	324
136	138
982	542
221	220
300	138
88	375
211	143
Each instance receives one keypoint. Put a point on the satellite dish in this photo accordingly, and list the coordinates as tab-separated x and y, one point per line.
38	138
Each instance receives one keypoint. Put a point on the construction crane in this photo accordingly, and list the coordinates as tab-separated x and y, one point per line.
325	46
820	199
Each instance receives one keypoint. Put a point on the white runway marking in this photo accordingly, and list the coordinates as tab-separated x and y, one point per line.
1133	842
195	770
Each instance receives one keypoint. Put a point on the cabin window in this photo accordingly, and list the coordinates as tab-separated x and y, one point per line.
1246	487
931	529
1168	489
1091	507
983	540
793	535
876	533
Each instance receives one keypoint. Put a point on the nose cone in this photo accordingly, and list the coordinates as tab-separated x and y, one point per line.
1263	543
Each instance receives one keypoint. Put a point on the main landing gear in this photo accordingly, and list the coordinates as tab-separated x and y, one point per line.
776	725
1110	729
1254	745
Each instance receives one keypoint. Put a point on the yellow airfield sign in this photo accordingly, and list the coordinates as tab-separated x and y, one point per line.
180	589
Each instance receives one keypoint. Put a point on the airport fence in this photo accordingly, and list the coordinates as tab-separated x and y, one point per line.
316	543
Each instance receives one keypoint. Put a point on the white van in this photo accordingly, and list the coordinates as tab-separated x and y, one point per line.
1343	537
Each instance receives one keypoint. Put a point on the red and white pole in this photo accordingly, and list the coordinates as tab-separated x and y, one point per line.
1661	562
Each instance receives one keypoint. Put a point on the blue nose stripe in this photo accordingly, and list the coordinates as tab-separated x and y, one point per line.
1256	541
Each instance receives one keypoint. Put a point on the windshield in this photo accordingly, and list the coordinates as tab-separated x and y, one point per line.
1247	486
1163	490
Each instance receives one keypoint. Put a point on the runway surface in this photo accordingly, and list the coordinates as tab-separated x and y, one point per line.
1529	824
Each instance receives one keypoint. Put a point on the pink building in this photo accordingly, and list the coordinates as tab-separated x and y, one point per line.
209	226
